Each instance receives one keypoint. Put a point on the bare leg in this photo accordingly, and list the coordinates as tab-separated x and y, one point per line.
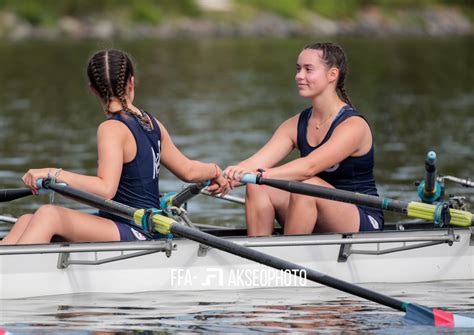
308	214
263	205
17	230
74	226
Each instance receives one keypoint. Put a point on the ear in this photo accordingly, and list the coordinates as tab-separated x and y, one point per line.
93	90
131	83
333	74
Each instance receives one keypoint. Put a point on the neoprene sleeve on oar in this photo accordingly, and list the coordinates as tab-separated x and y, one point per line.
10	194
412	209
166	225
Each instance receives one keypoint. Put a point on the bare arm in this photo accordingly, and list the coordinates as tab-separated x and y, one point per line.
276	149
191	171
111	138
350	138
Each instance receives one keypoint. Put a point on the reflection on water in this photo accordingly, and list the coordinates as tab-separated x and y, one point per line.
256	310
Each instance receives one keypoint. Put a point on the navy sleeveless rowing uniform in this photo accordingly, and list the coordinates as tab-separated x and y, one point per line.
355	174
139	182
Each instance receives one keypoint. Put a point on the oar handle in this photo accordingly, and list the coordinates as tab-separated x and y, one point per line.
429	189
188	193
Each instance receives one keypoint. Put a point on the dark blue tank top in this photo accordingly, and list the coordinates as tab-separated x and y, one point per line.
139	182
353	174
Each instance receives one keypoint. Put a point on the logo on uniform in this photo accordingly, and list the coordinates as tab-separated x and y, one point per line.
138	235
332	168
373	222
156	161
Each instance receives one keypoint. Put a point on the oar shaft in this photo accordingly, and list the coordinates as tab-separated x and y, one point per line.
336	194
280	264
92	200
10	194
188	193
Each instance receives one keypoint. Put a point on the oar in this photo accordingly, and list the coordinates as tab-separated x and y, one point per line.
165	225
187	193
10	194
412	209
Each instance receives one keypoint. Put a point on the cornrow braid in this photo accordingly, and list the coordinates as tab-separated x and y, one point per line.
109	72
122	83
334	56
98	83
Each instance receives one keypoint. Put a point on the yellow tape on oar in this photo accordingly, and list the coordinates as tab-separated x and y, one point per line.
161	223
429	212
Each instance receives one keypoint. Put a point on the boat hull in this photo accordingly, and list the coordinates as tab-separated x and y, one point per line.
372	258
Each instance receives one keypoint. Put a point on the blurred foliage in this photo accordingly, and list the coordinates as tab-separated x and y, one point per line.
47	12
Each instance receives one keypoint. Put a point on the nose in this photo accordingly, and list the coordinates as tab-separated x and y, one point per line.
299	75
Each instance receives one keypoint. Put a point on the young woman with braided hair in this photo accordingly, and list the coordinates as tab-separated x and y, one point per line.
132	144
336	148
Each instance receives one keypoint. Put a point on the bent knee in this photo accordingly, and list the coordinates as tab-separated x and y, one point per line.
49	211
25	218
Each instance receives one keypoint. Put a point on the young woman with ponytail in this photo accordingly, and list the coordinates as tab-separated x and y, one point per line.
132	145
336	149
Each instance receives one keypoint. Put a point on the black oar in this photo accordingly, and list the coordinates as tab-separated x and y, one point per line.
164	225
412	209
188	193
10	194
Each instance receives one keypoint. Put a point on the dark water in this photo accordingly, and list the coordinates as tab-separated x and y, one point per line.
286	310
221	100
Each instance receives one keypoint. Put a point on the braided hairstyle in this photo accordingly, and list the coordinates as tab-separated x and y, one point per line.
334	56
109	72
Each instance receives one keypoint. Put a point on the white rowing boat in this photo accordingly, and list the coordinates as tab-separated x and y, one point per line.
392	256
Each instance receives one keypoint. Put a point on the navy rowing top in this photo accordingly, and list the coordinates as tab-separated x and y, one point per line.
139	182
353	174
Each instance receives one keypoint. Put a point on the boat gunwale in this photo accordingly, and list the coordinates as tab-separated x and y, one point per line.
447	234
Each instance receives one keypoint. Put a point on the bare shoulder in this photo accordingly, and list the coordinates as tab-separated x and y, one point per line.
290	124
113	126
163	129
354	123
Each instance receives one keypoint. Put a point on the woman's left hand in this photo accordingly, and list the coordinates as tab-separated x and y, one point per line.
219	185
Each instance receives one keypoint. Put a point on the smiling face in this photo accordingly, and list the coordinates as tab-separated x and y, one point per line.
313	77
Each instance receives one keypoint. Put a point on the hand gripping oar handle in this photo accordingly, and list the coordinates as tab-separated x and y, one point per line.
412	209
188	193
429	189
10	194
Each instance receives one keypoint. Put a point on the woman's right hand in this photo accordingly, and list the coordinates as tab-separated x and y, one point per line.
32	175
219	185
235	172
